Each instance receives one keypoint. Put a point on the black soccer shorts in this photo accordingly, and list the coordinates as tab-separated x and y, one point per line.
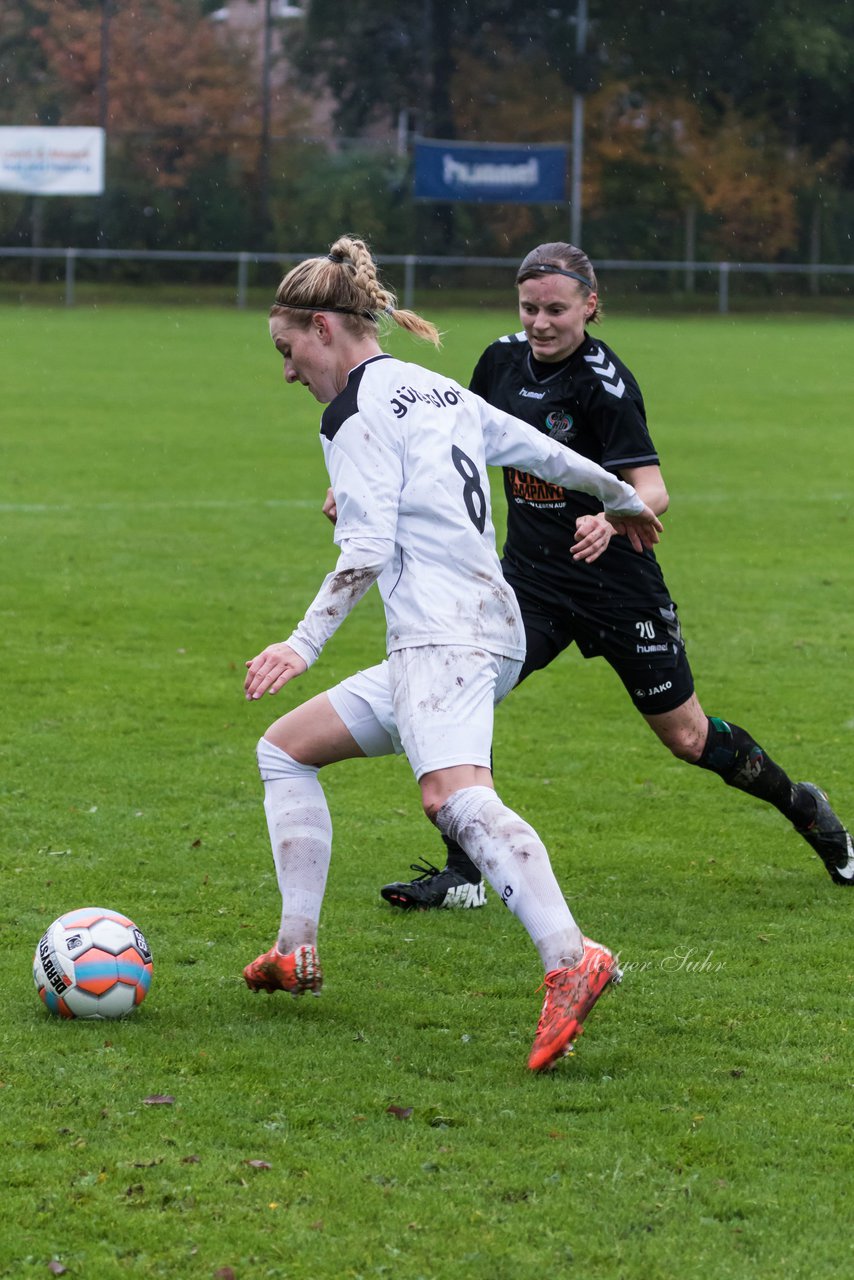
643	645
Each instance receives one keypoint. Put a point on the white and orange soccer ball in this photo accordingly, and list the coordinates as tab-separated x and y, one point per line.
92	963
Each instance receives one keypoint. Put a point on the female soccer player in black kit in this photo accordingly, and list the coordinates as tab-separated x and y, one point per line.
616	604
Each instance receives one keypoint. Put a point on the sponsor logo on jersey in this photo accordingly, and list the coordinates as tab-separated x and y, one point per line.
652	648
406	396
531	395
607	371
527	488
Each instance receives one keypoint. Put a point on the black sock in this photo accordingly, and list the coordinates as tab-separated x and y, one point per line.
733	755
459	861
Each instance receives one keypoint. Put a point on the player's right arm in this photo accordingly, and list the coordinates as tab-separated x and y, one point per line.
330	506
366	496
271	669
366	483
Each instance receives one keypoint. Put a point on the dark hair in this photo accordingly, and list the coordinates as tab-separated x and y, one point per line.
563	260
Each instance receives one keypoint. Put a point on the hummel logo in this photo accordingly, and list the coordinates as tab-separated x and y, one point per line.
605	372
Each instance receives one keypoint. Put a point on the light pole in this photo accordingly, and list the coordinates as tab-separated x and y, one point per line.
264	154
104	96
575	196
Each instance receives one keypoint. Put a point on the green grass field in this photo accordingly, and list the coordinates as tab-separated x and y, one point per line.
159	517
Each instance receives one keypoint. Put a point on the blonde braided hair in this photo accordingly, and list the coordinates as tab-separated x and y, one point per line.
320	284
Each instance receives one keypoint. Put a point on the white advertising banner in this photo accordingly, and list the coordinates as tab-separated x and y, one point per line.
52	161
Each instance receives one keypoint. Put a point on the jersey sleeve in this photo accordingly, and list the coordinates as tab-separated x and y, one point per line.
481	377
366	476
510	442
615	413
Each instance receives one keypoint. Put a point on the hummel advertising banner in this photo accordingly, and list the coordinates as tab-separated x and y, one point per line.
522	174
52	161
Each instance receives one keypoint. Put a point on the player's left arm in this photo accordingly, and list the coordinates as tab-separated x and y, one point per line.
649	483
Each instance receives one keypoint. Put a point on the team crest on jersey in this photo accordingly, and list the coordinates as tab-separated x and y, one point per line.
559	425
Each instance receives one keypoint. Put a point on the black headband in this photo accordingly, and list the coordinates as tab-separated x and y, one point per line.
344	311
547	269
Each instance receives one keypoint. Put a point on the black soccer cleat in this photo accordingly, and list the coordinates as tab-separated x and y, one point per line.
434	888
829	838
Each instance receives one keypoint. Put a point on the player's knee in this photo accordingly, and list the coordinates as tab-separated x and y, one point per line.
684	733
437	785
432	800
686	745
275	764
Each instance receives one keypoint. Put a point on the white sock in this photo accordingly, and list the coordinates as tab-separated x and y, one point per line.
301	836
514	860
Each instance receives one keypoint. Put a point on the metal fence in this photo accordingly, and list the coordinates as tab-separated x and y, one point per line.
689	272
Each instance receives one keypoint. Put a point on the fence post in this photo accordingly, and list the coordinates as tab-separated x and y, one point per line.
70	259
242	279
723	288
690	246
409	282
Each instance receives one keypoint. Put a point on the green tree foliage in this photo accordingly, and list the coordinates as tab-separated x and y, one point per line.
168	77
27	95
386	57
727	106
792	63
739	109
181	109
320	193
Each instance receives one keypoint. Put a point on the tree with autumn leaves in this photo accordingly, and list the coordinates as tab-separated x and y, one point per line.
181	106
736	111
733	169
181	94
736	108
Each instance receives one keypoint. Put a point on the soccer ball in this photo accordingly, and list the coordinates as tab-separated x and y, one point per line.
92	963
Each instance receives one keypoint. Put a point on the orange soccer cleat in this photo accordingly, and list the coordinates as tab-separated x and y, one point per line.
570	995
297	972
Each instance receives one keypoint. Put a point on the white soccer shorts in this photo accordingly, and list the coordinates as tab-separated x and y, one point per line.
434	702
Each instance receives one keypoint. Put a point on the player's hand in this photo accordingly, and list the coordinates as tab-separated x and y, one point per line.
592	535
330	507
641	530
272	669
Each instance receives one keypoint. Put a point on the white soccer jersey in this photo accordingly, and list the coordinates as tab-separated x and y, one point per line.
406	451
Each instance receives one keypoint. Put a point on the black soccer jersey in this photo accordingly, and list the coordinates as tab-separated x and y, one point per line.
592	403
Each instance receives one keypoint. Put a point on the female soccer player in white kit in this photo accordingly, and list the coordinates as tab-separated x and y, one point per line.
406	451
